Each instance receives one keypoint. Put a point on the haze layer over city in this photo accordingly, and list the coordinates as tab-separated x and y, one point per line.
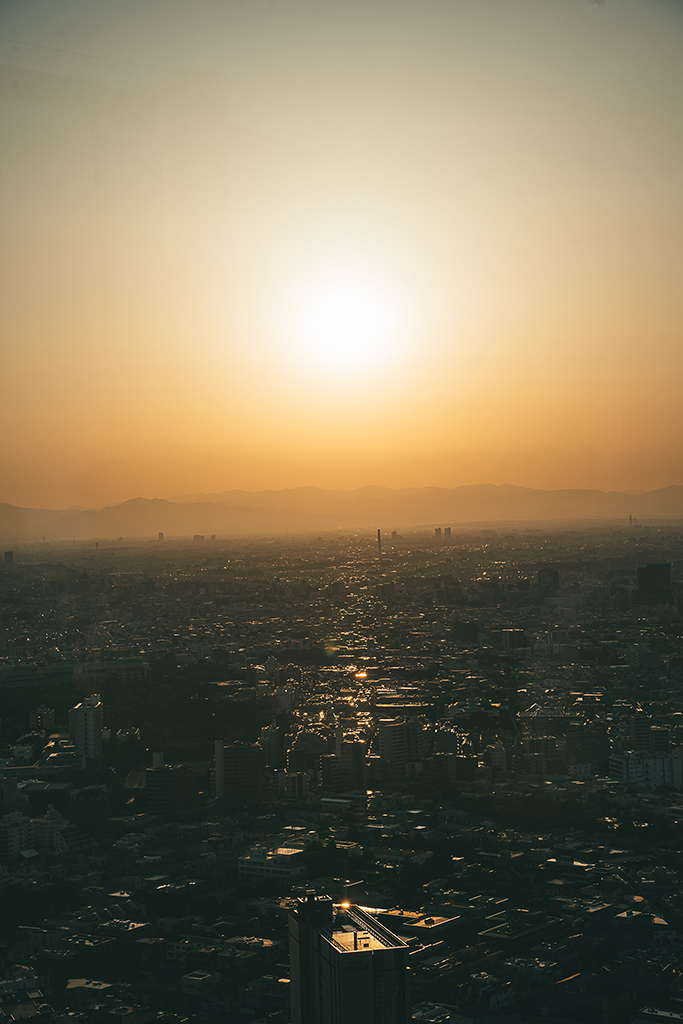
341	512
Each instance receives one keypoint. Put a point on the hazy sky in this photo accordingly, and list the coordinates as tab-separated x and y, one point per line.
266	243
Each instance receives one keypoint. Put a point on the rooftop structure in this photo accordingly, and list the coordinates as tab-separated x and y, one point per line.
345	966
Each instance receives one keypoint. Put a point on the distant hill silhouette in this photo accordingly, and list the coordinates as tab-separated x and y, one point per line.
473	503
303	509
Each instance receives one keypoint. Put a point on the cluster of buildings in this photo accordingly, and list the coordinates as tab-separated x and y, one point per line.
441	780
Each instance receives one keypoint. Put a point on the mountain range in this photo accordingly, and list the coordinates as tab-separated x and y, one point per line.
303	509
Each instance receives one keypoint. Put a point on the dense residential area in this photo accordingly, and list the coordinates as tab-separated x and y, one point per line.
458	752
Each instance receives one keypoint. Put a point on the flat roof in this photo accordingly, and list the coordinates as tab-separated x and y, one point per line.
352	940
354	931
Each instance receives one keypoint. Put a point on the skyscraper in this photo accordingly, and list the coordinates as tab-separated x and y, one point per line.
393	739
347	767
353	763
85	726
242	773
345	967
161	789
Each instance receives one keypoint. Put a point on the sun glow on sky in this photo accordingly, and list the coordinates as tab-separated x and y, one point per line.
264	245
347	325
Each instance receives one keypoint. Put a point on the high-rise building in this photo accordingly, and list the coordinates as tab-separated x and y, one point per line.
418	736
347	768
270	741
353	758
646	737
169	788
590	746
242	770
345	967
294	784
8	793
161	789
14	835
401	741
331	771
393	739
85	726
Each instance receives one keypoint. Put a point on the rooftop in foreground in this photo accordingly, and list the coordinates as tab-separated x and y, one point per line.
347	927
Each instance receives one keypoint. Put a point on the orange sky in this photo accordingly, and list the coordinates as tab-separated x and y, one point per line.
179	181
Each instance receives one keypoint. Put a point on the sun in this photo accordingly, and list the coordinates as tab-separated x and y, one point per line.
347	324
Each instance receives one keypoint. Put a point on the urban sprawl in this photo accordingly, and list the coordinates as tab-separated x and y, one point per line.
435	776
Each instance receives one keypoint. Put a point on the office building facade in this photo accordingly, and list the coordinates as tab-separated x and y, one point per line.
345	967
85	726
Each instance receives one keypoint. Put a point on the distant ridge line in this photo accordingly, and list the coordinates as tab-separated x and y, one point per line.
234	513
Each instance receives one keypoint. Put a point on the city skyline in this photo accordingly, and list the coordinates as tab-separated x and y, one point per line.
341	505
309	510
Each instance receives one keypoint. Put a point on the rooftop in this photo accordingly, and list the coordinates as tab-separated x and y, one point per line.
353	931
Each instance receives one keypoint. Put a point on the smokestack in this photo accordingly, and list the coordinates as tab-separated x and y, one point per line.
379	544
219	762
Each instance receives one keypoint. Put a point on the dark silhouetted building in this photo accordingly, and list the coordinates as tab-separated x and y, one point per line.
160	787
42	719
347	768
648	738
353	764
170	788
589	747
8	793
393	741
271	743
243	770
345	967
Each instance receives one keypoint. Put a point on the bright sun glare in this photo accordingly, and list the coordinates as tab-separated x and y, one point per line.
347	324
